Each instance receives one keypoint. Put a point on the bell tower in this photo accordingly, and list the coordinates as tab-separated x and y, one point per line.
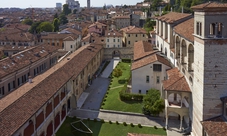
88	4
210	63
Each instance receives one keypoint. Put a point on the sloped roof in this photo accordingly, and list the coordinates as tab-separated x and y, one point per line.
172	17
186	29
148	60
176	81
21	109
142	48
133	30
210	6
216	126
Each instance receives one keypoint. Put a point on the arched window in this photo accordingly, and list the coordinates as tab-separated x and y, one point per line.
220	25
165	51
212	29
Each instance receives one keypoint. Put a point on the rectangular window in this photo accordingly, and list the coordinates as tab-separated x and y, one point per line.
118	40
107	40
199	28
128	35
157	67
158	80
9	87
147	79
128	42
113	40
136	35
3	90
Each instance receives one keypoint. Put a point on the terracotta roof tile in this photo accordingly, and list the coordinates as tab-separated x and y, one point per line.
133	30
113	33
148	60
176	81
210	6
172	17
20	111
186	29
142	48
23	59
216	126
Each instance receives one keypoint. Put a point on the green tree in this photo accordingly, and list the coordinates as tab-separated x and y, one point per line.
56	25
46	27
66	9
34	27
56	15
27	21
152	103
63	19
117	72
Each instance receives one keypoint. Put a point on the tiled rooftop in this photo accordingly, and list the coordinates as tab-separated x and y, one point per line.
186	29
113	33
210	6
216	126
142	48
28	100
133	30
23	59
172	17
176	81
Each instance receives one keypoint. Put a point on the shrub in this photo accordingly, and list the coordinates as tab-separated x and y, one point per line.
95	120
104	100
155	127
124	123
117	122
103	104
107	93
88	119
139	125
126	60
164	128
102	120
131	124
130	97
110	122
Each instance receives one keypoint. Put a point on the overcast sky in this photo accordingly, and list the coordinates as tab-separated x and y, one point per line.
52	3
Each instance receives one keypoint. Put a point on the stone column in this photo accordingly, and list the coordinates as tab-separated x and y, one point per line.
166	118
181	118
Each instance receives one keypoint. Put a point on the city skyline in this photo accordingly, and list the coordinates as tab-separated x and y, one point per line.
52	3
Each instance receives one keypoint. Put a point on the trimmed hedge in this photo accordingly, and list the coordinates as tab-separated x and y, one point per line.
129	96
126	60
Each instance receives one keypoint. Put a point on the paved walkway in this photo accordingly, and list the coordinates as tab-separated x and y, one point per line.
113	63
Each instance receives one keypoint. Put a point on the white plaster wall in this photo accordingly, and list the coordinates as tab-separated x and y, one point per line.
197	92
139	78
116	43
67	45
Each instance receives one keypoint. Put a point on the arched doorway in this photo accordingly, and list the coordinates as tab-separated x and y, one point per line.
177	47
116	54
68	104
50	129
183	52
190	58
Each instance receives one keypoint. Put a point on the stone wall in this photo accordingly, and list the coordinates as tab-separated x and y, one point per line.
125	52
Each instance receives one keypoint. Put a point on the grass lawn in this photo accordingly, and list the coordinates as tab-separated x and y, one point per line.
126	71
107	129
113	101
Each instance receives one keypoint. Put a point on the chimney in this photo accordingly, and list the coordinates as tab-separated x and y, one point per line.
30	79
